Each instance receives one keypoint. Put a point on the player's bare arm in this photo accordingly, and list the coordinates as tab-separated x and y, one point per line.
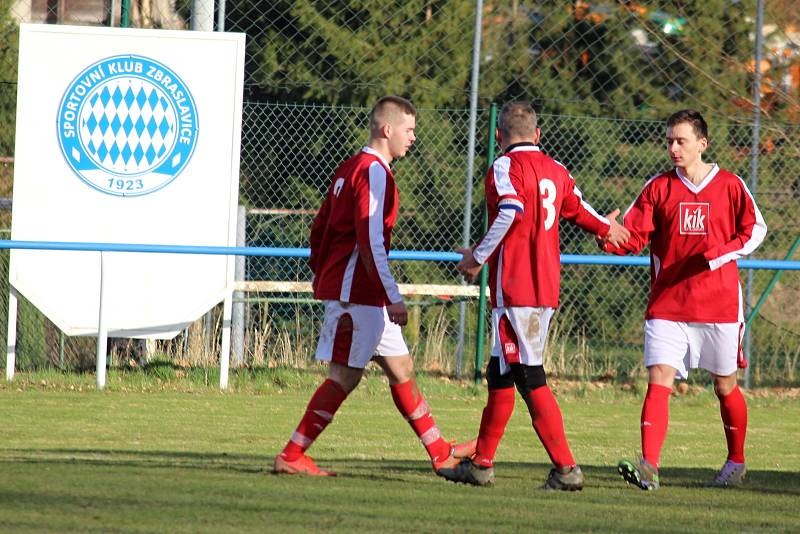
468	266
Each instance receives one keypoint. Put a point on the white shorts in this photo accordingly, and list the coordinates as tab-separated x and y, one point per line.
519	335
711	346
353	333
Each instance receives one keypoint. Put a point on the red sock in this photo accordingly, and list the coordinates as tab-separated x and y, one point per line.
412	405
549	426
319	413
495	417
733	409
654	421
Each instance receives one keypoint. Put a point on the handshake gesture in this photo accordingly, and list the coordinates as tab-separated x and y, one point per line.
617	235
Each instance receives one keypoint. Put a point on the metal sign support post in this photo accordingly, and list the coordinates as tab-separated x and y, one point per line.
102	329
11	354
225	353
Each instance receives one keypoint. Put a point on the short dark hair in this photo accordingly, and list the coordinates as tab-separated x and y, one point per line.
692	117
387	108
517	119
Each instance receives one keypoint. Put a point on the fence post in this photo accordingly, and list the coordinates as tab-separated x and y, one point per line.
237	320
221	15
754	152
208	328
481	321
225	352
202	18
473	116
102	330
125	14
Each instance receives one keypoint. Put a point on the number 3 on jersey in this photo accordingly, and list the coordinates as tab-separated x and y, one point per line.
548	191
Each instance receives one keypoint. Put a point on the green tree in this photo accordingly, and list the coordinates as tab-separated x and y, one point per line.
354	51
620	59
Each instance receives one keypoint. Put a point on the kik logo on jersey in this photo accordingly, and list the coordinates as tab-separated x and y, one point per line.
694	218
127	125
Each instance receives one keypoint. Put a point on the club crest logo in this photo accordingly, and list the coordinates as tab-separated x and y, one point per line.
127	125
337	187
694	218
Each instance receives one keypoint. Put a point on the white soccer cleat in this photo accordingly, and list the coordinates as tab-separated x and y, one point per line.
731	474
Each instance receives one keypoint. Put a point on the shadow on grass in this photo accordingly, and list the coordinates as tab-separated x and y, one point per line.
758	481
600	476
244	463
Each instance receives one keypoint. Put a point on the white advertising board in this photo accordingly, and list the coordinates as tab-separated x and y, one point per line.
126	136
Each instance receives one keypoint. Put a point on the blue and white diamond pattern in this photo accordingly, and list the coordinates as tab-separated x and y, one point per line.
128	126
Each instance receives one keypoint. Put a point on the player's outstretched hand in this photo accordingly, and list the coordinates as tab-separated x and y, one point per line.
397	313
618	234
468	267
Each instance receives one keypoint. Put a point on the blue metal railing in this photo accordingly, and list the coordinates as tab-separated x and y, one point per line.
283	252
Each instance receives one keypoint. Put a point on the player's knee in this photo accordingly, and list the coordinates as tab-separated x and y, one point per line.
528	378
347	377
724	385
493	377
398	369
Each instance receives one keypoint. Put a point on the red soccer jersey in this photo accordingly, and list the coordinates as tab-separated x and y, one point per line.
525	266
696	234
351	233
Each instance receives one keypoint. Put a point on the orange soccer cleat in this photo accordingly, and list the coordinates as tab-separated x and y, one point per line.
302	466
458	451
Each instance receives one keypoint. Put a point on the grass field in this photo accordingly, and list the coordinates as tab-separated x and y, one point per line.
149	455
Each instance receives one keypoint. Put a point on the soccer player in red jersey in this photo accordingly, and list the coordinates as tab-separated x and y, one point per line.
364	311
526	195
698	219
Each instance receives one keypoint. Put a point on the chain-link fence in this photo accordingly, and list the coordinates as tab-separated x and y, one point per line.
314	67
619	59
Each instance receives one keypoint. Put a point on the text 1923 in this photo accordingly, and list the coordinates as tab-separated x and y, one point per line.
125	185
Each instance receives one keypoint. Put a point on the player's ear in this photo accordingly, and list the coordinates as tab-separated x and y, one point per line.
498	135
703	144
386	130
536	135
